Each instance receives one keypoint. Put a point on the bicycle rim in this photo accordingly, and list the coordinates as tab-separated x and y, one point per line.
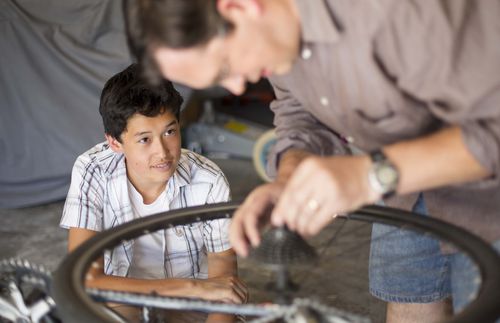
74	304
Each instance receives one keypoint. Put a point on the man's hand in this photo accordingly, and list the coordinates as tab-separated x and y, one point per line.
319	189
228	289
252	215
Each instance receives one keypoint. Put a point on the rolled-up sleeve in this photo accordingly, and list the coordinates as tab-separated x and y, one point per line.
447	54
299	129
84	203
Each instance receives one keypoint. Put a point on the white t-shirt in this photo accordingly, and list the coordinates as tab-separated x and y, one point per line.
145	261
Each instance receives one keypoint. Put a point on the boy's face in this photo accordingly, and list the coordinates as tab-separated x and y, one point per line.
152	148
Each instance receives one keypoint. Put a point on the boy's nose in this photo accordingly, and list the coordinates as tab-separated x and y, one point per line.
161	148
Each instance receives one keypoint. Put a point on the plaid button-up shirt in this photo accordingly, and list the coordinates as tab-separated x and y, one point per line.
98	199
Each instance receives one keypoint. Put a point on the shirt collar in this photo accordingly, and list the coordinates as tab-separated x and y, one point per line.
180	178
182	174
317	21
110	162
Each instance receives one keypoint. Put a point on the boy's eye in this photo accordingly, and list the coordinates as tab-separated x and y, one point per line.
170	132
143	140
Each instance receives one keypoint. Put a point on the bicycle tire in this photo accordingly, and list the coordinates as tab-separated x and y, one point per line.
74	305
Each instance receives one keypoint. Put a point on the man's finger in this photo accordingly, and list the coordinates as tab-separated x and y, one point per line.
251	227
237	236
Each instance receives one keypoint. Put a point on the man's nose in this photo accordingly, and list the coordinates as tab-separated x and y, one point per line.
235	84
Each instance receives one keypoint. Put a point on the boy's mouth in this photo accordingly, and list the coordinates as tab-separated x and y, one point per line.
163	166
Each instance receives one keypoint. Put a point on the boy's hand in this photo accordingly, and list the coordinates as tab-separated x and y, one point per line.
228	289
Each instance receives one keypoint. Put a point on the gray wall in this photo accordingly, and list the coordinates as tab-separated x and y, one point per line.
55	56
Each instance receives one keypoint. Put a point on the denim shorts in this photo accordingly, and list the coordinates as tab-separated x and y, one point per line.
465	279
408	267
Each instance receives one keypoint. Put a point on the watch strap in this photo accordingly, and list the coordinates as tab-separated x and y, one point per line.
378	155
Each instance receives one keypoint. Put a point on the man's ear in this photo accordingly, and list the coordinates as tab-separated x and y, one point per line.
228	8
114	144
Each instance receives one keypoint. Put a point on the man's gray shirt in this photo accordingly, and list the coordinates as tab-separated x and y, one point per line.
379	72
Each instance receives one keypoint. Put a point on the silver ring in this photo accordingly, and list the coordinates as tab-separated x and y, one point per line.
313	205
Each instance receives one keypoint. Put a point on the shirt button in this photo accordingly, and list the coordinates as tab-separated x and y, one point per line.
323	100
306	53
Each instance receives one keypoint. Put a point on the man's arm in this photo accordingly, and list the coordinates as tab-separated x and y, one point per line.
289	162
340	184
447	161
299	134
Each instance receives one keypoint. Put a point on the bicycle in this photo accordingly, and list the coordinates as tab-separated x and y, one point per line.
292	301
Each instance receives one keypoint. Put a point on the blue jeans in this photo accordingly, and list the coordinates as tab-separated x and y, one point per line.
408	267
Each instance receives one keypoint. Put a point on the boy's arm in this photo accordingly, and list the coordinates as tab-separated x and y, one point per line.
223	266
97	279
217	289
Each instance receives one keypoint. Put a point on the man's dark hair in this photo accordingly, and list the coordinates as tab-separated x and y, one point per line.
128	93
171	23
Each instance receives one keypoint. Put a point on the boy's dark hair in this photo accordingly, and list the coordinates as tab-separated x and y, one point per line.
127	93
170	23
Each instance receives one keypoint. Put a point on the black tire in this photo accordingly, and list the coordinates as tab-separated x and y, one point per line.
75	305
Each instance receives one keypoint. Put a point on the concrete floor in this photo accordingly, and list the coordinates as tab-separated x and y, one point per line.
33	234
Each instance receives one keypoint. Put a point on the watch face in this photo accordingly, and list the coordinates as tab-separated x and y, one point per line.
383	176
387	175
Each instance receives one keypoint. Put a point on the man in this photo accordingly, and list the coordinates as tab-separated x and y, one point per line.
412	85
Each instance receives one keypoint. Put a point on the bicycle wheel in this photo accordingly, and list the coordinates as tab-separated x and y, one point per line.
75	304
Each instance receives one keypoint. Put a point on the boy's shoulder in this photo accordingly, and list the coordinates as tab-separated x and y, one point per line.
197	167
101	157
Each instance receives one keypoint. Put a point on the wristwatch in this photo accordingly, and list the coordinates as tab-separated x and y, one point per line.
383	176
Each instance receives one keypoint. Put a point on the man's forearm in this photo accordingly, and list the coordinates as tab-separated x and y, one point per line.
448	161
289	162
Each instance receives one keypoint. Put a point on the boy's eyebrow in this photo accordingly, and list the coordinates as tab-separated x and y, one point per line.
146	132
171	123
141	133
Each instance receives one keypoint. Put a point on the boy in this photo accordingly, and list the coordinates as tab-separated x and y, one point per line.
141	170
